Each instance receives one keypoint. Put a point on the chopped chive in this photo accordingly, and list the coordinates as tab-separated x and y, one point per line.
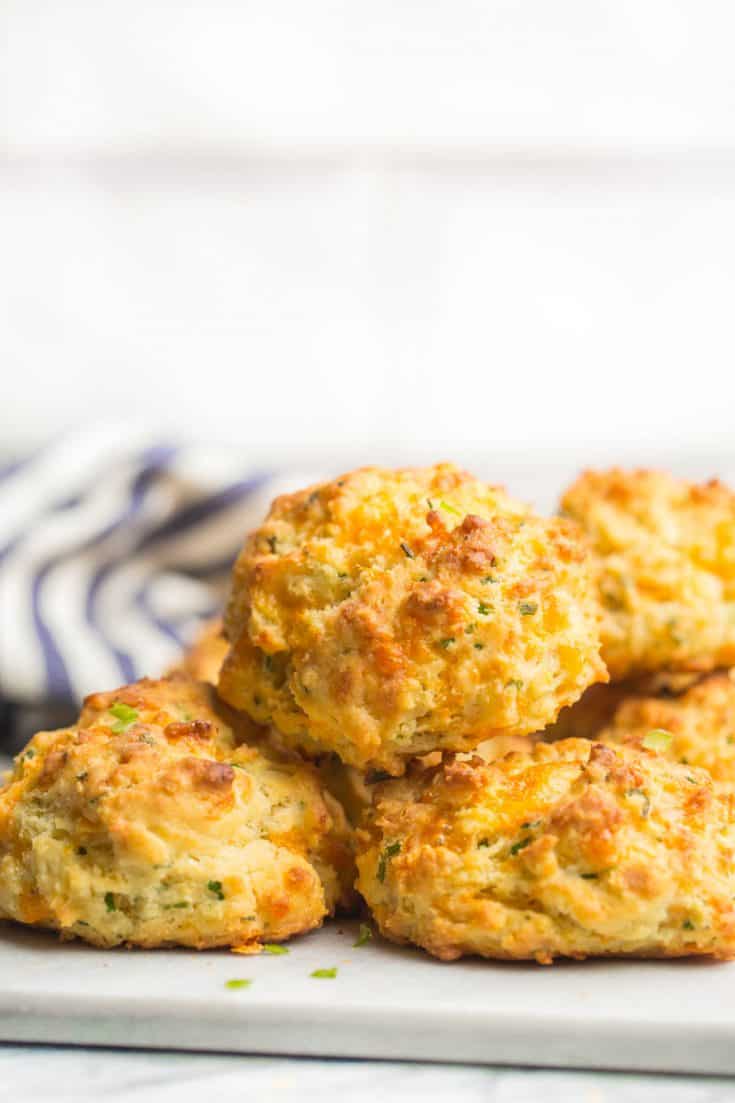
178	904
215	887
450	509
657	740
389	852
406	550
237	983
482	608
446	642
527	608
325	974
110	902
646	802
520	845
687	925
274	948
366	933
125	716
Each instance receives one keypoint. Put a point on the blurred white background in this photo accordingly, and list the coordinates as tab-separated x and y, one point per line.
325	228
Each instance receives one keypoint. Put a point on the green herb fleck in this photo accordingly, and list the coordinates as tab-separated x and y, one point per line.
527	608
478	646
178	904
274	948
687	925
110	902
646	802
589	876
390	852
489	580
406	550
446	642
325	974
520	845
657	740
364	936
469	629
272	542
482	608
517	682
30	753
215	887
530	823
450	509
238	983
125	716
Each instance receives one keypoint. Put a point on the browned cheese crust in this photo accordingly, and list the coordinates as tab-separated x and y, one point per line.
664	552
696	728
389	614
150	823
575	849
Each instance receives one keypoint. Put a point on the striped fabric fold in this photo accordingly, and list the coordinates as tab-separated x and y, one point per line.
113	549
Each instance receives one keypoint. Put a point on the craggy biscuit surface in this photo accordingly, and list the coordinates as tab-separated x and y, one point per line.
575	849
664	553
389	614
147	824
696	728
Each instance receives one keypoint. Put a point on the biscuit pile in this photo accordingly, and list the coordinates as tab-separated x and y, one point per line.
413	701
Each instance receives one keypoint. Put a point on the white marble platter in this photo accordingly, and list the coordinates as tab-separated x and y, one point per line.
384	1002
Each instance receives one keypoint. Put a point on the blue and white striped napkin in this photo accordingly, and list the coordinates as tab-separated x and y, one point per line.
112	551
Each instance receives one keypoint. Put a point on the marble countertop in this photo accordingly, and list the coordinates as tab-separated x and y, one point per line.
49	1072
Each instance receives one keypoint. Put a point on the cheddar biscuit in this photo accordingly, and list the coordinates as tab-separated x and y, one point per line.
149	823
696	728
575	849
664	554
389	614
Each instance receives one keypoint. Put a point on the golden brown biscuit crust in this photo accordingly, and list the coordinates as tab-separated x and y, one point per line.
149	823
664	552
575	849
698	726
392	613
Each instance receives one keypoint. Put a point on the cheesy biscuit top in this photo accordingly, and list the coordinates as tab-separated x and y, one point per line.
389	614
574	849
150	823
664	553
